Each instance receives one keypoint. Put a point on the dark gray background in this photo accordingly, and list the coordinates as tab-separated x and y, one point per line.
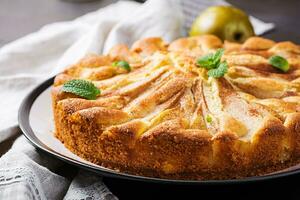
20	17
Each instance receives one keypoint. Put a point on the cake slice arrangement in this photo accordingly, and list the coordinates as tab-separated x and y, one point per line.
196	108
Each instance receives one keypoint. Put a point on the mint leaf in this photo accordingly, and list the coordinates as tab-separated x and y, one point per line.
279	63
211	61
218	55
206	61
123	64
218	72
83	88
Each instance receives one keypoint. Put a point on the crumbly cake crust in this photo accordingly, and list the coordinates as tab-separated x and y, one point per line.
152	120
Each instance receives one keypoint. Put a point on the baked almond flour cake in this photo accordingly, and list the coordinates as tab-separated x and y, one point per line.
196	108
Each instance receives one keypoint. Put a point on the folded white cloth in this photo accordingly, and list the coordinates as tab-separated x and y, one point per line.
26	174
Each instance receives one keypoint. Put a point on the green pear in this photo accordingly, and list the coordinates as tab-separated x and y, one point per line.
226	22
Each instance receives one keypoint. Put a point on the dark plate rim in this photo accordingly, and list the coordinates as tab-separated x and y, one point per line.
23	119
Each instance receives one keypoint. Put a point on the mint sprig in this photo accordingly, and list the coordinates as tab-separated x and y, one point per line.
83	88
212	62
123	64
218	72
279	63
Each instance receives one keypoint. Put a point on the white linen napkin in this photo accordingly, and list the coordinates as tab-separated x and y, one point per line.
24	173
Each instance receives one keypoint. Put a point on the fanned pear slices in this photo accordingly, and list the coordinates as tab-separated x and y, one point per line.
160	114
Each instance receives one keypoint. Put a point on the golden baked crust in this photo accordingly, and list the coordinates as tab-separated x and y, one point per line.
152	121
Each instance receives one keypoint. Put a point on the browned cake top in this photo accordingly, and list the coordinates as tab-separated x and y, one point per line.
167	91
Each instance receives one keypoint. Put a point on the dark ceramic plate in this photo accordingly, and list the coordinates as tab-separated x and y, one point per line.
36	122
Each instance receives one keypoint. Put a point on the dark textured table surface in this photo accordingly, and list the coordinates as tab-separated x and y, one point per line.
20	17
285	14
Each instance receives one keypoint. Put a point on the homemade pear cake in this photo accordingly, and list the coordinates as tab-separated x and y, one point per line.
196	108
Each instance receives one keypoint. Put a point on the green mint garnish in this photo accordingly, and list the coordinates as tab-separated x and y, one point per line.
279	63
218	55
218	72
83	88
212	62
123	64
208	119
